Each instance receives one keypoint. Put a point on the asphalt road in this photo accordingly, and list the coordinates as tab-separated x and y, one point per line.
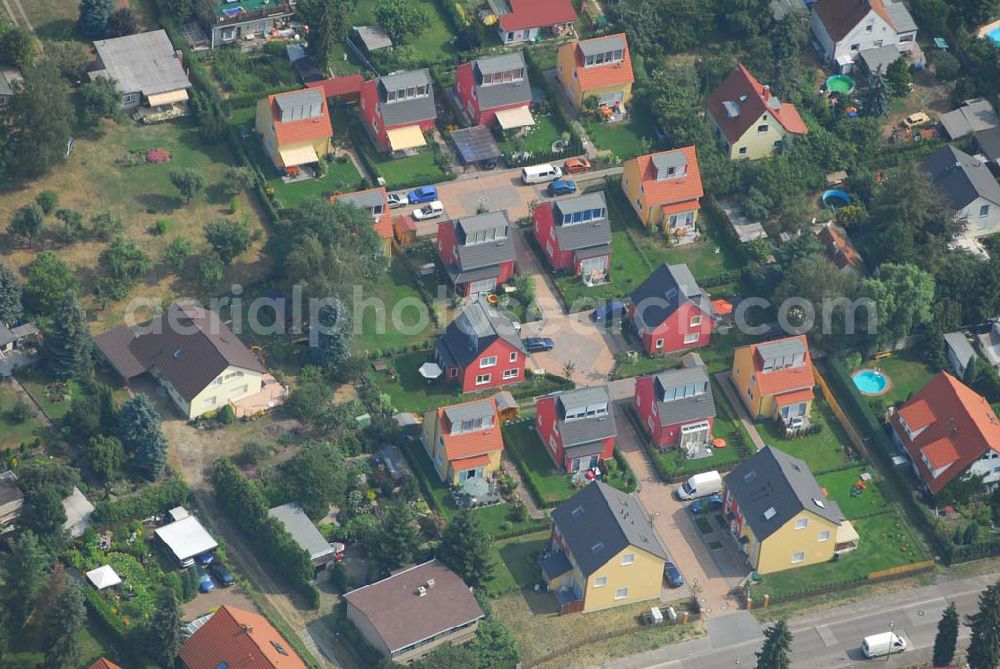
830	638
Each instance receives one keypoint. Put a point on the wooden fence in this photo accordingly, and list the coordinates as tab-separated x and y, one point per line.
838	411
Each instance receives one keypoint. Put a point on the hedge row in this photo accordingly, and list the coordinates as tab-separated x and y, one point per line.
528	477
148	502
259	182
125	640
245	504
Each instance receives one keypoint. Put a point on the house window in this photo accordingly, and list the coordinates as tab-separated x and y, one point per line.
868	28
510	373
621	593
761	129
695	321
691	338
453	372
483	379
129	98
801	523
824	535
628	559
855	47
878	42
659	343
600	581
906	38
513	356
510	36
798	557
984	211
488	362
743	150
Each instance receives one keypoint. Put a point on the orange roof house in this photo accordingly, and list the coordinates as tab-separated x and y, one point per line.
375	200
839	249
233	638
294	128
600	68
104	663
464	440
949	430
748	118
347	88
665	189
775	378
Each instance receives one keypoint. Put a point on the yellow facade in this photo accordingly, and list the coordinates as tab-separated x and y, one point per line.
232	385
566	71
264	125
649	213
744	378
434	446
789	547
757	144
631	576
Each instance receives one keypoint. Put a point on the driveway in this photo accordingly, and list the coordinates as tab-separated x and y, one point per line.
207	602
715	571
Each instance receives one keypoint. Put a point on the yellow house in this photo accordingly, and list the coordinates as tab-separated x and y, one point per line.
464	441
604	551
599	68
294	128
775	379
664	189
748	119
780	517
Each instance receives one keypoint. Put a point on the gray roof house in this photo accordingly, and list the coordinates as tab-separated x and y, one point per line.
501	80
477	326
660	295
372	38
581	421
973	116
683	395
481	247
969	188
581	224
959	351
989	345
9	78
304	533
406	97
988	142
146	68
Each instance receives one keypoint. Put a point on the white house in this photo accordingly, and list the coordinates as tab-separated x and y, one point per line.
969	189
845	28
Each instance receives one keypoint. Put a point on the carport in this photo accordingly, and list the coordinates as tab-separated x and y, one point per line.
475	144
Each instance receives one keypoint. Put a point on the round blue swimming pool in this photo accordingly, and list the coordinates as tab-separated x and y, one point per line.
871	382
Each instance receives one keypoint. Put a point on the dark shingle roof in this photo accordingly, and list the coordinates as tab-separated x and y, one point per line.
585	430
961	178
585	234
590	47
491	96
476	327
989	143
773	483
599	522
410	110
691	408
664	291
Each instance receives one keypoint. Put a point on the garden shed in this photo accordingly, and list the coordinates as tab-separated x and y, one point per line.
103	577
185	539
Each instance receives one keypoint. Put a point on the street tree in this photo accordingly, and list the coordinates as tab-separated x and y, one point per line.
777	644
984	647
947	637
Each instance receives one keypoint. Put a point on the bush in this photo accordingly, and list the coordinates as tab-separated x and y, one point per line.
946	66
162	226
148	502
226	415
20	412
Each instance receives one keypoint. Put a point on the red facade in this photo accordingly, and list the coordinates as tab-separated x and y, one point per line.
645	401
465	86
508	368
545	423
372	117
446	244
687	327
559	259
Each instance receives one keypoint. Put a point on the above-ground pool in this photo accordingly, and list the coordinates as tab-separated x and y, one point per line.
840	83
871	382
994	35
836	199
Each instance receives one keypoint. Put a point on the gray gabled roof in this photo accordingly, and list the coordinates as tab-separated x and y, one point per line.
302	529
973	115
459	412
598	45
373	37
686	409
411	110
586	234
583	202
144	62
487	253
961	178
366	199
788	348
989	143
585	430
299	105
502	63
599	522
771	487
960	346
663	292
878	59
667	159
492	220
477	326
491	96
900	16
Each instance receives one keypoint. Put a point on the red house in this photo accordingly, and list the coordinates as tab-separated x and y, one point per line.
477	252
577	427
576	236
398	109
375	200
495	89
949	431
676	407
670	311
480	350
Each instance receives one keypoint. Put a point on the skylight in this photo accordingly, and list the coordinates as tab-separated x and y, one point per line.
770	513
819	503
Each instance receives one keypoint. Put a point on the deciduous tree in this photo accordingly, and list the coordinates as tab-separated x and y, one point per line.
190	182
48	280
99	99
17	46
402	20
121	266
177	252
40	120
227	238
105	456
26	223
122	22
10	294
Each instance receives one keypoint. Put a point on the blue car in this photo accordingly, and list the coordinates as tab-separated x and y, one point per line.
562	187
609	311
710	503
222	574
205	583
422	194
673	575
538	344
206	558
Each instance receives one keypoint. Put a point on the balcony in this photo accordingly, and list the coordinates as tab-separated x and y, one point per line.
249	10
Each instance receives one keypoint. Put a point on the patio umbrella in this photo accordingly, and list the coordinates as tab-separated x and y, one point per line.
476	487
430	370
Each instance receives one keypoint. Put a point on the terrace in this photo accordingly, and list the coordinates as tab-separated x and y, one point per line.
234	11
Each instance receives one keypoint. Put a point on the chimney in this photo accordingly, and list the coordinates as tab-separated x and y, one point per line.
247	628
421	591
767	92
430	583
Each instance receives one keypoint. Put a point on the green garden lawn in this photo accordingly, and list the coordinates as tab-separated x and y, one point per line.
379	332
13	433
822	452
539	137
515	560
907	372
838	487
625	139
435	40
411	392
403	172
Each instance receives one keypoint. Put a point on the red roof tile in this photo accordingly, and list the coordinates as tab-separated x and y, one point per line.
603	76
779	381
537	14
961	421
240	639
333	88
470	444
104	663
742	88
686	189
471	463
839	248
795	396
305	130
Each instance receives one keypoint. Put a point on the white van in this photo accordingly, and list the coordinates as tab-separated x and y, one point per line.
700	485
880	645
539	174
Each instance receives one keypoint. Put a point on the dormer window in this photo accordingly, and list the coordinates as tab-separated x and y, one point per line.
604	58
679	392
408	93
590	411
505	77
472	425
583	216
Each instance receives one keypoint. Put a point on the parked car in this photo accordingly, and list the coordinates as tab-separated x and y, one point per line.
576	165
395	200
673	575
700	485
609	310
562	187
490	164
206	558
222	574
205	583
538	344
710	503
885	643
430	210
916	119
422	194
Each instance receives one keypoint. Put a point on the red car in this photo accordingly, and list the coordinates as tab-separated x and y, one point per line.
576	165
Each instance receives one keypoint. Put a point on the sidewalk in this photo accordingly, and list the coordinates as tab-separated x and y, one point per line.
727	388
